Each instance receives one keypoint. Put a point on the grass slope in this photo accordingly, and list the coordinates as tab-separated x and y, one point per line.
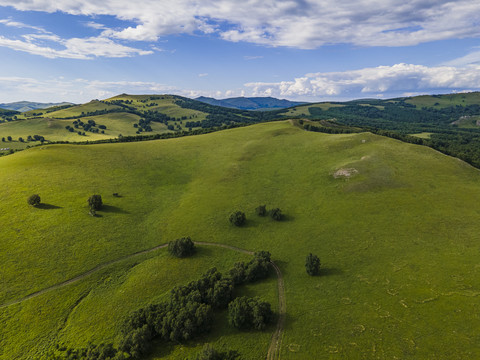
397	240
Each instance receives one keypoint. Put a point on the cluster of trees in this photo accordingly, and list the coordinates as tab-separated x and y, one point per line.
254	270
143	125
29	138
238	218
90	125
187	313
249	313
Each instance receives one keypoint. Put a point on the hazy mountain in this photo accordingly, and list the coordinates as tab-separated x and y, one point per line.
251	103
23	106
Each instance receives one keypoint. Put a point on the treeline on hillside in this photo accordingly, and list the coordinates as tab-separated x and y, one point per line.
188	313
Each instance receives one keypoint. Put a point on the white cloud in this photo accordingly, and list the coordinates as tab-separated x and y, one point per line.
379	81
75	48
246	57
294	23
202	74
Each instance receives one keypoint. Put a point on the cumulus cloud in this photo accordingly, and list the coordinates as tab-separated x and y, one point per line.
377	81
303	24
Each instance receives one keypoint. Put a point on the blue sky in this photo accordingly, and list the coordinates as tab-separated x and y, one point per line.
68	50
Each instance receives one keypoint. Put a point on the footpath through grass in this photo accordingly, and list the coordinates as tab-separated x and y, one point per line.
397	239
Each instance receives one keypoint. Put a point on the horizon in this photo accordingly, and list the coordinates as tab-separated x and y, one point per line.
194	98
295	50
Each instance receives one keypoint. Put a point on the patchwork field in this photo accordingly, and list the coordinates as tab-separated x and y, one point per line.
396	233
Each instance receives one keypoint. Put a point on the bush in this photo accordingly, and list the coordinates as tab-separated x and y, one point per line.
210	353
34	200
312	264
276	214
95	202
249	313
181	247
238	218
261	210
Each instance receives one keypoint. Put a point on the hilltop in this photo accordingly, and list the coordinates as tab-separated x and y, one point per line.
396	240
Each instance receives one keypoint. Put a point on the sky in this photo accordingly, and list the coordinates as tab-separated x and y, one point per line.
76	51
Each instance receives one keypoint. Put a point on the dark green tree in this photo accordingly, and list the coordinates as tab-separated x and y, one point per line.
238	218
276	214
34	200
95	202
9	138
312	264
249	313
182	247
261	210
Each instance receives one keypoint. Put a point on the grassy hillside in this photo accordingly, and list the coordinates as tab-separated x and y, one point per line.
126	115
396	239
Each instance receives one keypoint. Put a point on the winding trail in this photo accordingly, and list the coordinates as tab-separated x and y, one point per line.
275	344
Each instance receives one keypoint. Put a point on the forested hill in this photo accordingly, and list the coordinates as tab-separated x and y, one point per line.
251	103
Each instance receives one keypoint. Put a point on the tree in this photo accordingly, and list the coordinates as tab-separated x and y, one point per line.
312	264
9	138
276	214
261	210
238	218
95	202
20	139
248	313
34	200
182	247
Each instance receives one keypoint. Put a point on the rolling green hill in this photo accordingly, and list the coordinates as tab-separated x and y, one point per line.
395	226
126	115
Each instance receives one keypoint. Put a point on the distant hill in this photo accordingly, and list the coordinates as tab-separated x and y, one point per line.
251	103
23	106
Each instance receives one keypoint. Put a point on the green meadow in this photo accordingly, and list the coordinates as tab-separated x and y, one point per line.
395	226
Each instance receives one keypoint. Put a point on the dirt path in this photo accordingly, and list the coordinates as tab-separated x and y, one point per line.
81	276
274	348
275	344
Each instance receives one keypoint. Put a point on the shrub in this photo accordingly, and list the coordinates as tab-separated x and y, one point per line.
34	200
276	214
261	210
95	202
238	218
181	247
312	264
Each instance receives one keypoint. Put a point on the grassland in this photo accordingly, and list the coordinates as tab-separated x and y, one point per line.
51	124
397	240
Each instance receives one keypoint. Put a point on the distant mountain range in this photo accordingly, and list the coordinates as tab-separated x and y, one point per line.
251	103
23	106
